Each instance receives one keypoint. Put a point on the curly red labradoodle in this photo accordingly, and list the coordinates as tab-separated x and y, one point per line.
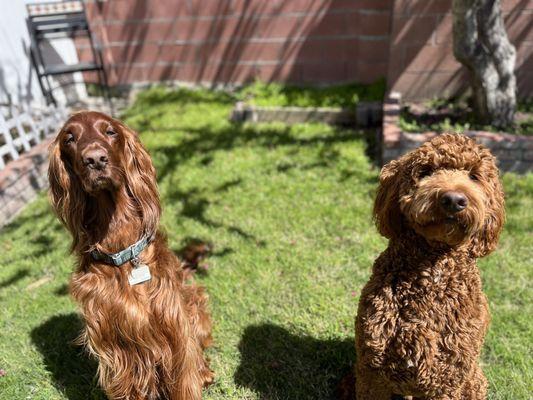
422	316
145	325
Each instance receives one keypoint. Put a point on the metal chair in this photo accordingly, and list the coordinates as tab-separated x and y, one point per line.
59	20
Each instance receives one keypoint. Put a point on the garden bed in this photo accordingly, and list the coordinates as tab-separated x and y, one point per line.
344	105
514	152
364	114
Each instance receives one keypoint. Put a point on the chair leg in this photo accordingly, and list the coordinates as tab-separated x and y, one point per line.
40	77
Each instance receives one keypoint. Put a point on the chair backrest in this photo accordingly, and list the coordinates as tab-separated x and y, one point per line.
57	19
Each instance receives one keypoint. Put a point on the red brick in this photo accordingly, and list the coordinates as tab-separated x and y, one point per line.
374	50
427	85
401	7
444	32
318	50
353	23
421	7
283	26
524	82
329	25
520	28
371	72
283	6
142	53
233	28
374	4
524	55
85	54
177	53
281	72
431	58
516	5
408	30
313	50
324	73
260	52
128	74
153	31
397	58
346	49
374	24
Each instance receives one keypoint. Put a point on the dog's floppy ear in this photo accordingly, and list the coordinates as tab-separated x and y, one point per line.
66	195
387	212
486	240
141	179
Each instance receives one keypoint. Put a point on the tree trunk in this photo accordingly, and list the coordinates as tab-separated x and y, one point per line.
481	44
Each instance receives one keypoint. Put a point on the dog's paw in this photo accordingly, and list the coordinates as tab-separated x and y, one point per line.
208	377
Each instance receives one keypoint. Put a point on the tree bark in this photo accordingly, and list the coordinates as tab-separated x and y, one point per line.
481	44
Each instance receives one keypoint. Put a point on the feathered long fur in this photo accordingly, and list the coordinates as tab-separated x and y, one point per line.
148	338
422	316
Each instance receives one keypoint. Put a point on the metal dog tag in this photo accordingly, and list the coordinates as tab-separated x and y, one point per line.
139	274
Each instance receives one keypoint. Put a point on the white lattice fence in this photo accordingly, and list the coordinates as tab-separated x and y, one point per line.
23	128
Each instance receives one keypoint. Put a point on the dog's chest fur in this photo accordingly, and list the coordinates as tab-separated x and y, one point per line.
420	312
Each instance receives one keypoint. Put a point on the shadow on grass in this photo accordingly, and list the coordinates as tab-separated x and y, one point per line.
195	205
207	140
37	242
62	290
74	373
279	365
21	274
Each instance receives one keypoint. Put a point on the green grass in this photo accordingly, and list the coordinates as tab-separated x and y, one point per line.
275	94
288	210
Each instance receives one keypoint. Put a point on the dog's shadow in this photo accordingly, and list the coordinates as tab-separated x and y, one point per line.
73	371
280	365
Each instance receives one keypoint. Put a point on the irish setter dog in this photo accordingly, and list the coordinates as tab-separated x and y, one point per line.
149	335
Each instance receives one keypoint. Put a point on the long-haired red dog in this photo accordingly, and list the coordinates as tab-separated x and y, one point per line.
146	327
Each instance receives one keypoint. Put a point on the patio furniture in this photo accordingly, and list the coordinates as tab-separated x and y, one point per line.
65	19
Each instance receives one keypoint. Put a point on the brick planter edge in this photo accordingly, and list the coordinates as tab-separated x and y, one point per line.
513	152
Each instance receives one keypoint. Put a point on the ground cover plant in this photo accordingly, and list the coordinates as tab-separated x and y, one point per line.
288	211
442	115
346	96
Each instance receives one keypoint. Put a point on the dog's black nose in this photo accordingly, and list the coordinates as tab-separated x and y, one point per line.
453	201
95	158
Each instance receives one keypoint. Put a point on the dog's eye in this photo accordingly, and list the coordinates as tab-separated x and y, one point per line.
424	172
473	177
69	138
110	132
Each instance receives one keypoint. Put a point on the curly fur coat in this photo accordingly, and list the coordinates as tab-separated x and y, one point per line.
422	316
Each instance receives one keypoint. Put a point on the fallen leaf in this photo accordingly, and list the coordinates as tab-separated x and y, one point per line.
39	282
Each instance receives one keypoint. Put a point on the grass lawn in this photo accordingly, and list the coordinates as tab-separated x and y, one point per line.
288	211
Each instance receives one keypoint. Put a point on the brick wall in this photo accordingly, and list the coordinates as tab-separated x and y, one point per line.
298	41
422	64
233	41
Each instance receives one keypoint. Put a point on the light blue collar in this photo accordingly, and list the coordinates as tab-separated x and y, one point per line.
130	253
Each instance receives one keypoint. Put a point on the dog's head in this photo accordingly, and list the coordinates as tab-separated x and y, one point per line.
95	155
447	191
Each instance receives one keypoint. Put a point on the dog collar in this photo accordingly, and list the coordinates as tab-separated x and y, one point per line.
128	254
